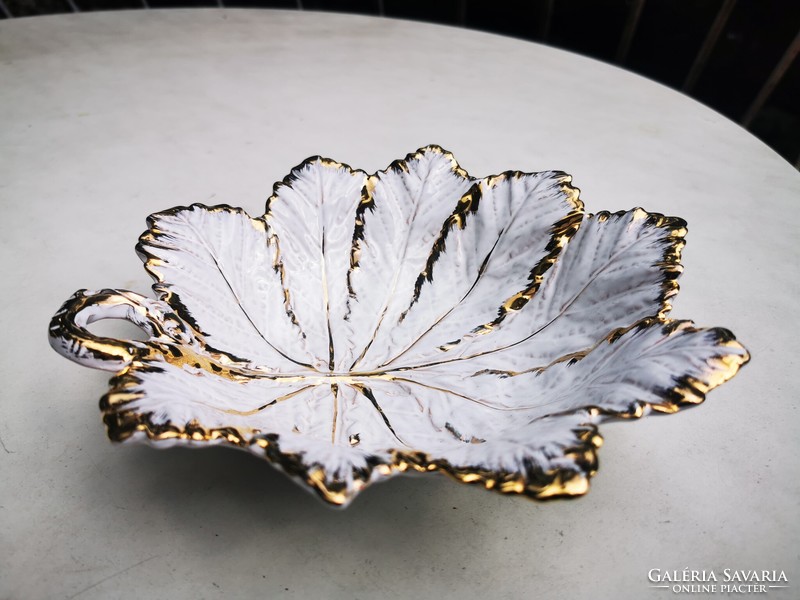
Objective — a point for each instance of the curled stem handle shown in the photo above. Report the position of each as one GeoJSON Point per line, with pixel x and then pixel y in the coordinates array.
{"type": "Point", "coordinates": [70, 338]}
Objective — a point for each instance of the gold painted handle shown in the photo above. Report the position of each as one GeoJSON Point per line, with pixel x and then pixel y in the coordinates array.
{"type": "Point", "coordinates": [70, 338]}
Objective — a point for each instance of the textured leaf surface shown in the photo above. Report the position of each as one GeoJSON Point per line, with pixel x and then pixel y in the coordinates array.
{"type": "Point", "coordinates": [417, 319]}
{"type": "Point", "coordinates": [402, 219]}
{"type": "Point", "coordinates": [312, 218]}
{"type": "Point", "coordinates": [217, 269]}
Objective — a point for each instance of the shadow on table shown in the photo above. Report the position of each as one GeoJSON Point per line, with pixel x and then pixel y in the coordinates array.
{"type": "Point", "coordinates": [201, 493]}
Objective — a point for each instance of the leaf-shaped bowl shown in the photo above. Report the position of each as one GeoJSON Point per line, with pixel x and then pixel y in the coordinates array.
{"type": "Point", "coordinates": [414, 320]}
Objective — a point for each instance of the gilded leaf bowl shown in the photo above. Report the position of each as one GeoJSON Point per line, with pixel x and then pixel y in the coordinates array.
{"type": "Point", "coordinates": [414, 320]}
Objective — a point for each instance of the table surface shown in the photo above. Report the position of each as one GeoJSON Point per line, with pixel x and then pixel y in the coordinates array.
{"type": "Point", "coordinates": [108, 117]}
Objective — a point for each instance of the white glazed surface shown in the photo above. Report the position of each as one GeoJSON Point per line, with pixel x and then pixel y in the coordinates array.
{"type": "Point", "coordinates": [112, 116]}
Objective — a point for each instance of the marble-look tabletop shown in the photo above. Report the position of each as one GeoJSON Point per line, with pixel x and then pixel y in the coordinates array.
{"type": "Point", "coordinates": [108, 117]}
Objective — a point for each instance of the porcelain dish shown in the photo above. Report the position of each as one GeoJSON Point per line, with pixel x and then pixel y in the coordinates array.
{"type": "Point", "coordinates": [414, 320]}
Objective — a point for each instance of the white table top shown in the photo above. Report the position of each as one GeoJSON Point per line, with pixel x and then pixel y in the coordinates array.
{"type": "Point", "coordinates": [108, 117]}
